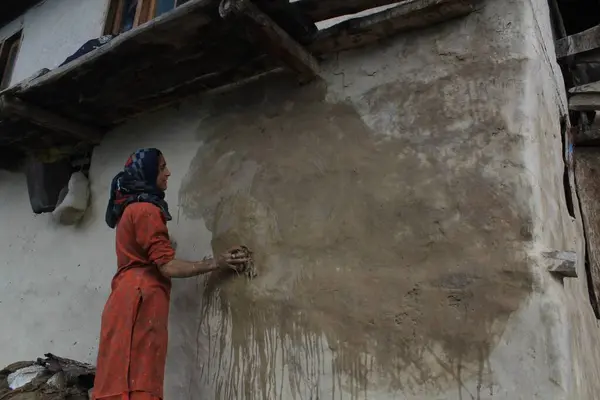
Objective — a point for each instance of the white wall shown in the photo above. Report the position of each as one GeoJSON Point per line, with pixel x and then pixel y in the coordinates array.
{"type": "Point", "coordinates": [52, 31]}
{"type": "Point", "coordinates": [439, 149]}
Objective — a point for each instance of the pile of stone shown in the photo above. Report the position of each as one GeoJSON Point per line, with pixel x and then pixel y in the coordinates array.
{"type": "Point", "coordinates": [49, 378]}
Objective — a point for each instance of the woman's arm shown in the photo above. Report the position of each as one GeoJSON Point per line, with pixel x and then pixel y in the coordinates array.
{"type": "Point", "coordinates": [152, 235]}
{"type": "Point", "coordinates": [186, 269]}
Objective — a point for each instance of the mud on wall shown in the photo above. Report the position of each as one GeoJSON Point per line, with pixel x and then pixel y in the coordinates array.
{"type": "Point", "coordinates": [389, 237]}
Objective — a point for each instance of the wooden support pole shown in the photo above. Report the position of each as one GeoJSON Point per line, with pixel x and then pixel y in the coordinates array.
{"type": "Point", "coordinates": [265, 32]}
{"type": "Point", "coordinates": [411, 14]}
{"type": "Point", "coordinates": [562, 263]}
{"type": "Point", "coordinates": [578, 43]}
{"type": "Point", "coordinates": [11, 106]}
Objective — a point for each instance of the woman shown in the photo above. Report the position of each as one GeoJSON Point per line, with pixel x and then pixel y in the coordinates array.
{"type": "Point", "coordinates": [133, 337]}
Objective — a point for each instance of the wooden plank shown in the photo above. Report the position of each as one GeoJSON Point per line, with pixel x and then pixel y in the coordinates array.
{"type": "Point", "coordinates": [587, 172]}
{"type": "Point", "coordinates": [264, 32]}
{"type": "Point", "coordinates": [585, 102]}
{"type": "Point", "coordinates": [578, 43]}
{"type": "Point", "coordinates": [592, 87]}
{"type": "Point", "coordinates": [320, 10]}
{"type": "Point", "coordinates": [562, 263]}
{"type": "Point", "coordinates": [13, 107]}
{"type": "Point", "coordinates": [412, 14]}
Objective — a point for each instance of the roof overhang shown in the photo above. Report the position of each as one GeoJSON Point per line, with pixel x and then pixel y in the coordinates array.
{"type": "Point", "coordinates": [202, 46]}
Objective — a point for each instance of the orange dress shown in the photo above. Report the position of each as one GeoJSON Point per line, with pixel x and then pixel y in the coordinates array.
{"type": "Point", "coordinates": [133, 337]}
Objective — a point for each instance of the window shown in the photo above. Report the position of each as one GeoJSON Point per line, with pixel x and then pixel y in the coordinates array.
{"type": "Point", "coordinates": [8, 57]}
{"type": "Point", "coordinates": [124, 15]}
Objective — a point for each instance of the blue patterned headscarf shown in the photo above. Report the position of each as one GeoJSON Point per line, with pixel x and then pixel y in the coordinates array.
{"type": "Point", "coordinates": [136, 183]}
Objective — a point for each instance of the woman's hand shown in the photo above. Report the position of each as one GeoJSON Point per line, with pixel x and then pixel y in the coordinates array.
{"type": "Point", "coordinates": [231, 260]}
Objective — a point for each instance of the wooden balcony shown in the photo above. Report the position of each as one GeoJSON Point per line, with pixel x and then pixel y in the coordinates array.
{"type": "Point", "coordinates": [202, 46]}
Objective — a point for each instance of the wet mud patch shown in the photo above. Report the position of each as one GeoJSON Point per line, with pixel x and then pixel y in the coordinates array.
{"type": "Point", "coordinates": [379, 262]}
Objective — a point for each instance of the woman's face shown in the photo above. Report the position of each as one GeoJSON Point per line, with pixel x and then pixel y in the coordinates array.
{"type": "Point", "coordinates": [163, 174]}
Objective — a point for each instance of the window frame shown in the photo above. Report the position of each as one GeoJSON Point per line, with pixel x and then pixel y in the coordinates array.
{"type": "Point", "coordinates": [9, 53]}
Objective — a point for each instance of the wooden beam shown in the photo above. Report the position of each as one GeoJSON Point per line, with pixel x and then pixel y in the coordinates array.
{"type": "Point", "coordinates": [411, 14]}
{"type": "Point", "coordinates": [587, 171]}
{"type": "Point", "coordinates": [263, 31]}
{"type": "Point", "coordinates": [578, 43]}
{"type": "Point", "coordinates": [562, 263]}
{"type": "Point", "coordinates": [585, 102]}
{"type": "Point", "coordinates": [11, 106]}
{"type": "Point", "coordinates": [592, 87]}
{"type": "Point", "coordinates": [585, 97]}
{"type": "Point", "coordinates": [320, 10]}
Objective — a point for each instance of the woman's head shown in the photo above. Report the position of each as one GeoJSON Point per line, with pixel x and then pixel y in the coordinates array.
{"type": "Point", "coordinates": [150, 167]}
{"type": "Point", "coordinates": [144, 179]}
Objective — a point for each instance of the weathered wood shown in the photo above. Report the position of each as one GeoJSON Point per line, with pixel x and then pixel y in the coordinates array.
{"type": "Point", "coordinates": [264, 31]}
{"type": "Point", "coordinates": [320, 10]}
{"type": "Point", "coordinates": [562, 263]}
{"type": "Point", "coordinates": [15, 107]}
{"type": "Point", "coordinates": [587, 172]}
{"type": "Point", "coordinates": [412, 14]}
{"type": "Point", "coordinates": [592, 87]}
{"type": "Point", "coordinates": [585, 102]}
{"type": "Point", "coordinates": [578, 43]}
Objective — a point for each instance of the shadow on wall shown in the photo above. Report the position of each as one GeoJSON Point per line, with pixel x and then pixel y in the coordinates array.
{"type": "Point", "coordinates": [379, 264]}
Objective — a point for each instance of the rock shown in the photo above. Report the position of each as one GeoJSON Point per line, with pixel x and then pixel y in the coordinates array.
{"type": "Point", "coordinates": [49, 378]}
{"type": "Point", "coordinates": [24, 376]}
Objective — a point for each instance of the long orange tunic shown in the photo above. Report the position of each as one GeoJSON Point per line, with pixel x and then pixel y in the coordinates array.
{"type": "Point", "coordinates": [133, 337]}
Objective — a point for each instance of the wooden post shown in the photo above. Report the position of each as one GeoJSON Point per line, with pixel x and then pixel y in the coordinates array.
{"type": "Point", "coordinates": [264, 31]}
{"type": "Point", "coordinates": [12, 106]}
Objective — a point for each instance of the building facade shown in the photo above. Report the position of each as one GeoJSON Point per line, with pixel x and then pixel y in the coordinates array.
{"type": "Point", "coordinates": [401, 207]}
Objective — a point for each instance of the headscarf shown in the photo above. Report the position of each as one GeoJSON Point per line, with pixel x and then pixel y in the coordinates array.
{"type": "Point", "coordinates": [135, 184]}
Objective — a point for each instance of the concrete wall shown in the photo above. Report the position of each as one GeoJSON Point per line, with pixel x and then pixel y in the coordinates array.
{"type": "Point", "coordinates": [397, 209]}
{"type": "Point", "coordinates": [52, 31]}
